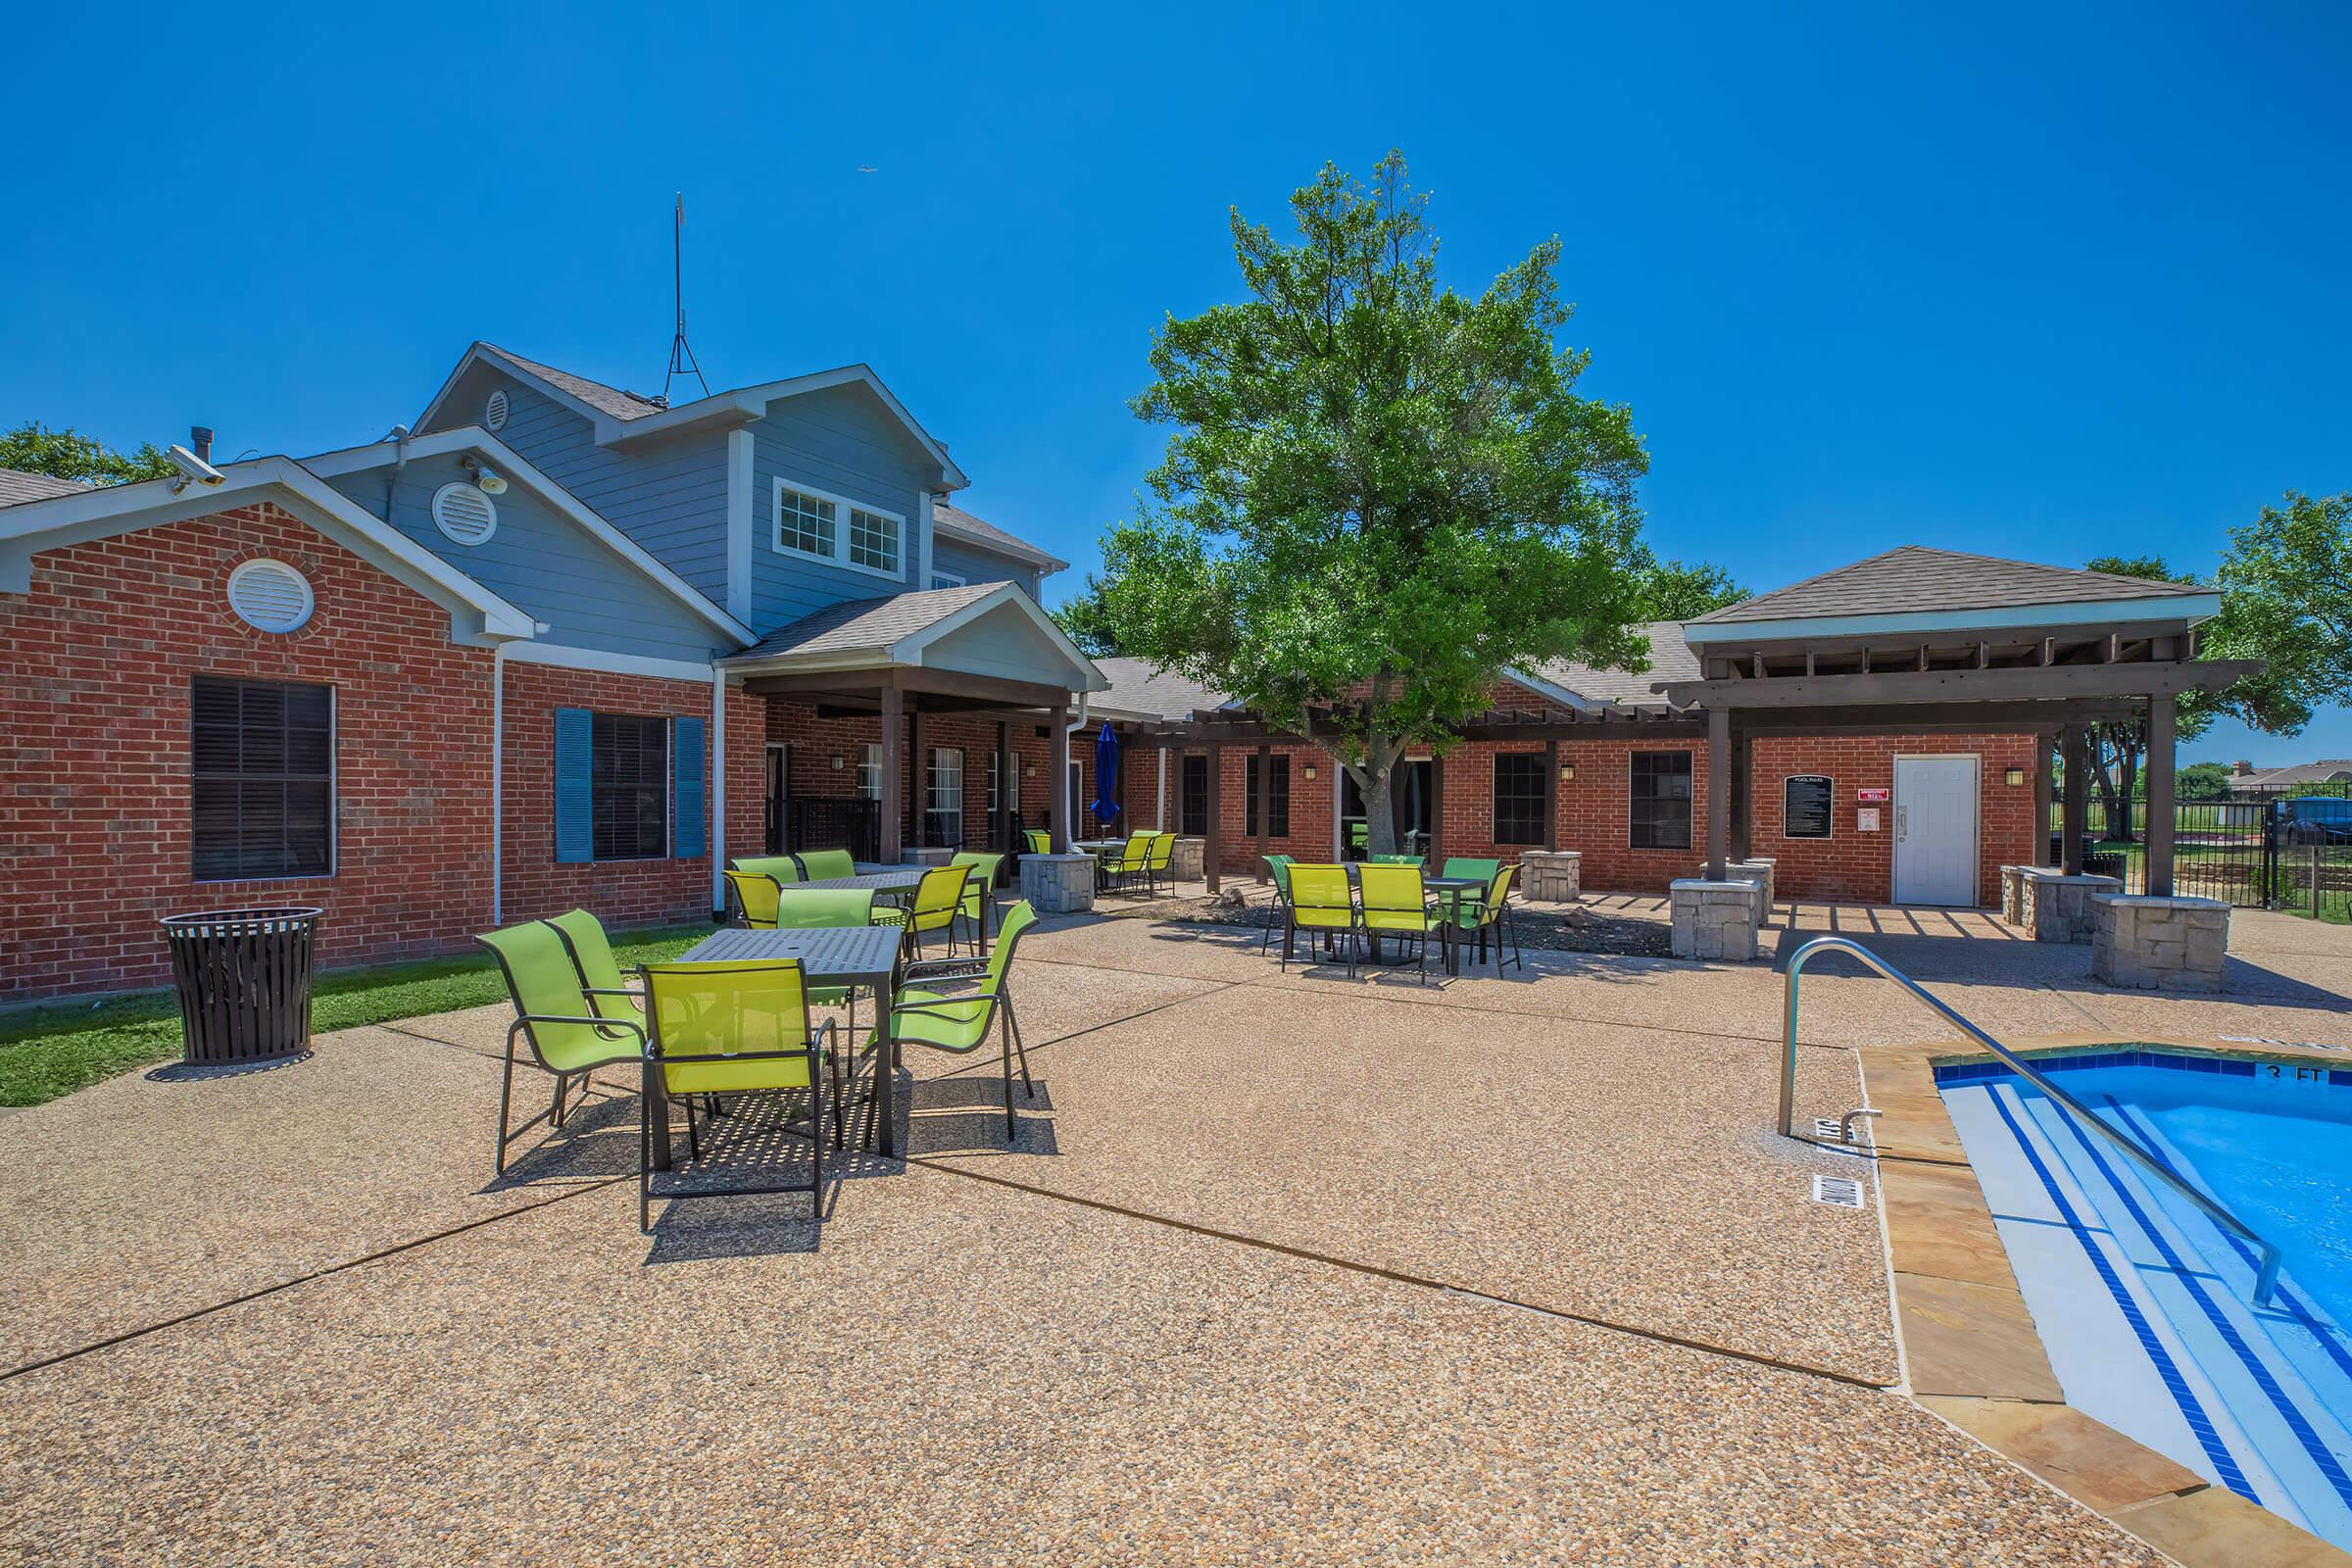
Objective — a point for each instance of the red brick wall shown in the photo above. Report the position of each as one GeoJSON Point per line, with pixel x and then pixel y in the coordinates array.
{"type": "Point", "coordinates": [1856, 865]}
{"type": "Point", "coordinates": [816, 741]}
{"type": "Point", "coordinates": [94, 791]}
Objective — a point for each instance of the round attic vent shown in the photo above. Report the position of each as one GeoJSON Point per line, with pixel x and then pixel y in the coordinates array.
{"type": "Point", "coordinates": [465, 513]}
{"type": "Point", "coordinates": [270, 596]}
{"type": "Point", "coordinates": [494, 415]}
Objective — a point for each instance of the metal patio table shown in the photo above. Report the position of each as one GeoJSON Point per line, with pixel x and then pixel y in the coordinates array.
{"type": "Point", "coordinates": [860, 956]}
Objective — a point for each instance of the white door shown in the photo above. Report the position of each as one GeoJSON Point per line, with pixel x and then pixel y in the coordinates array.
{"type": "Point", "coordinates": [1936, 830]}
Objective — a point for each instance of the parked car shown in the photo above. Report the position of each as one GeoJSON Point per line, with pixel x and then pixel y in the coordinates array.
{"type": "Point", "coordinates": [2315, 819]}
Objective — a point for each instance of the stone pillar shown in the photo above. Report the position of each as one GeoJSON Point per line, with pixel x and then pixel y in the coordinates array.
{"type": "Point", "coordinates": [1186, 857]}
{"type": "Point", "coordinates": [1756, 869]}
{"type": "Point", "coordinates": [1059, 884]}
{"type": "Point", "coordinates": [2160, 943]}
{"type": "Point", "coordinates": [1715, 920]}
{"type": "Point", "coordinates": [1552, 876]}
{"type": "Point", "coordinates": [2052, 906]}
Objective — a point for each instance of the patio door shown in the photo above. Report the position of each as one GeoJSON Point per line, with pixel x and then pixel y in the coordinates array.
{"type": "Point", "coordinates": [1936, 830]}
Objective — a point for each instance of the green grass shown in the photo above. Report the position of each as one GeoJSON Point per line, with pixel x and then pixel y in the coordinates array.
{"type": "Point", "coordinates": [58, 1047]}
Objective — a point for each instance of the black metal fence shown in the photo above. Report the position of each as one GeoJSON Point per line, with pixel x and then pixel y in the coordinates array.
{"type": "Point", "coordinates": [2256, 849]}
{"type": "Point", "coordinates": [822, 823]}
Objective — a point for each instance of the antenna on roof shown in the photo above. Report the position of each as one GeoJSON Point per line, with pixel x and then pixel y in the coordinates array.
{"type": "Point", "coordinates": [681, 357]}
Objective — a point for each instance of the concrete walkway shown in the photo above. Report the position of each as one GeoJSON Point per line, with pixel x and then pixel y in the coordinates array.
{"type": "Point", "coordinates": [1282, 1270]}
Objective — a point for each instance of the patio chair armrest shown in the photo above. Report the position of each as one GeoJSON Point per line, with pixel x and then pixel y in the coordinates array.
{"type": "Point", "coordinates": [630, 1024]}
{"type": "Point", "coordinates": [633, 993]}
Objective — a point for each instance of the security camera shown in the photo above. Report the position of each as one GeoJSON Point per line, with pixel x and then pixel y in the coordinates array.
{"type": "Point", "coordinates": [193, 469]}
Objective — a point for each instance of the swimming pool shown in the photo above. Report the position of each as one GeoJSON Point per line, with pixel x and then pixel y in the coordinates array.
{"type": "Point", "coordinates": [2143, 1301]}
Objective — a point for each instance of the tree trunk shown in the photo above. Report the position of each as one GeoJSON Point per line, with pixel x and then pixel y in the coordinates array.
{"type": "Point", "coordinates": [2105, 777]}
{"type": "Point", "coordinates": [1376, 781]}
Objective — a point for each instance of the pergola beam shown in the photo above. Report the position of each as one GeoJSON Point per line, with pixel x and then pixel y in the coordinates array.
{"type": "Point", "coordinates": [2056, 682]}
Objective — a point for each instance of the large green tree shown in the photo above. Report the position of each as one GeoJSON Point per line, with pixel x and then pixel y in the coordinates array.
{"type": "Point", "coordinates": [1672, 591]}
{"type": "Point", "coordinates": [1087, 618]}
{"type": "Point", "coordinates": [1380, 493]}
{"type": "Point", "coordinates": [68, 453]}
{"type": "Point", "coordinates": [2286, 598]}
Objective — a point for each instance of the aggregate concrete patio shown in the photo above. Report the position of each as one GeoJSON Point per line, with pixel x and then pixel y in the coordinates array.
{"type": "Point", "coordinates": [1284, 1268]}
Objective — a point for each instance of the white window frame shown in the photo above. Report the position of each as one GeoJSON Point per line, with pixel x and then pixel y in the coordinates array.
{"type": "Point", "coordinates": [843, 506]}
{"type": "Point", "coordinates": [936, 815]}
{"type": "Point", "coordinates": [949, 579]}
{"type": "Point", "coordinates": [869, 772]}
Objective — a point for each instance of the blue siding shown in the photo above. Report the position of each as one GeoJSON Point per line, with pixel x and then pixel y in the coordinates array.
{"type": "Point", "coordinates": [844, 442]}
{"type": "Point", "coordinates": [544, 562]}
{"type": "Point", "coordinates": [576, 799]}
{"type": "Point", "coordinates": [974, 565]}
{"type": "Point", "coordinates": [671, 496]}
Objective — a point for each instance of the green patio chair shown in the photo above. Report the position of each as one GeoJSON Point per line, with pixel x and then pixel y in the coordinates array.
{"type": "Point", "coordinates": [752, 900]}
{"type": "Point", "coordinates": [556, 1017]}
{"type": "Point", "coordinates": [1393, 859]}
{"type": "Point", "coordinates": [1279, 866]}
{"type": "Point", "coordinates": [1321, 904]}
{"type": "Point", "coordinates": [926, 1012]}
{"type": "Point", "coordinates": [1040, 841]}
{"type": "Point", "coordinates": [1495, 913]}
{"type": "Point", "coordinates": [783, 868]}
{"type": "Point", "coordinates": [1130, 862]}
{"type": "Point", "coordinates": [1396, 902]}
{"type": "Point", "coordinates": [1483, 868]}
{"type": "Point", "coordinates": [1163, 856]}
{"type": "Point", "coordinates": [734, 1028]}
{"type": "Point", "coordinates": [813, 909]}
{"type": "Point", "coordinates": [978, 894]}
{"type": "Point", "coordinates": [610, 992]}
{"type": "Point", "coordinates": [816, 865]}
{"type": "Point", "coordinates": [1359, 837]}
{"type": "Point", "coordinates": [938, 900]}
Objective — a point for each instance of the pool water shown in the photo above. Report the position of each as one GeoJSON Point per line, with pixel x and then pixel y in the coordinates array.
{"type": "Point", "coordinates": [2143, 1303]}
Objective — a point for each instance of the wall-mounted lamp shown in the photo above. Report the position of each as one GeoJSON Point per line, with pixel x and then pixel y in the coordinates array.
{"type": "Point", "coordinates": [1310, 771]}
{"type": "Point", "coordinates": [2014, 777]}
{"type": "Point", "coordinates": [1567, 771]}
{"type": "Point", "coordinates": [836, 761]}
{"type": "Point", "coordinates": [1028, 770]}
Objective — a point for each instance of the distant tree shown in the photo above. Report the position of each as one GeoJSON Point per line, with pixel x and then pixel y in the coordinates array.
{"type": "Point", "coordinates": [1086, 617]}
{"type": "Point", "coordinates": [1672, 591]}
{"type": "Point", "coordinates": [2200, 781]}
{"type": "Point", "coordinates": [1380, 494]}
{"type": "Point", "coordinates": [2286, 598]}
{"type": "Point", "coordinates": [68, 453]}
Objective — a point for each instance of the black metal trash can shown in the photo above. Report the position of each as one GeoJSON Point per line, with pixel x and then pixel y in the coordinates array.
{"type": "Point", "coordinates": [244, 979]}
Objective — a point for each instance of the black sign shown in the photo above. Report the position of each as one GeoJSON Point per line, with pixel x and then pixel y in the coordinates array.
{"type": "Point", "coordinates": [1805, 812]}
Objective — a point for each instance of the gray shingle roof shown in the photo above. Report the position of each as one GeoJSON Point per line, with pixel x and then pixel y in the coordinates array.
{"type": "Point", "coordinates": [867, 625]}
{"type": "Point", "coordinates": [1137, 687]}
{"type": "Point", "coordinates": [989, 536]}
{"type": "Point", "coordinates": [1670, 658]}
{"type": "Point", "coordinates": [2324, 771]}
{"type": "Point", "coordinates": [1914, 580]}
{"type": "Point", "coordinates": [18, 487]}
{"type": "Point", "coordinates": [603, 399]}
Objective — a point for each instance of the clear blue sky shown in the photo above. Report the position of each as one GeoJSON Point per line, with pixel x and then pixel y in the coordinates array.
{"type": "Point", "coordinates": [2027, 282]}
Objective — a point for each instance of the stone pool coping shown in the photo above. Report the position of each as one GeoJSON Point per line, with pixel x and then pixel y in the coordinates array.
{"type": "Point", "coordinates": [1970, 1349]}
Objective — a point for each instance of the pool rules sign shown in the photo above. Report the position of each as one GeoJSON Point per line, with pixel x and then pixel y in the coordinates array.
{"type": "Point", "coordinates": [1806, 806]}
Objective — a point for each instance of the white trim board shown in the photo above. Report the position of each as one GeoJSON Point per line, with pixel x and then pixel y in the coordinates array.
{"type": "Point", "coordinates": [843, 506]}
{"type": "Point", "coordinates": [562, 656]}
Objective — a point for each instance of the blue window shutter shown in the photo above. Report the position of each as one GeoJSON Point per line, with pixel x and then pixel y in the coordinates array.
{"type": "Point", "coordinates": [686, 840]}
{"type": "Point", "coordinates": [576, 799]}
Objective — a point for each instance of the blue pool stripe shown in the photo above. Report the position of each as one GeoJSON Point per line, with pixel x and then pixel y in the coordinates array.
{"type": "Point", "coordinates": [2331, 1339]}
{"type": "Point", "coordinates": [1964, 1072]}
{"type": "Point", "coordinates": [2192, 1410]}
{"type": "Point", "coordinates": [2296, 1421]}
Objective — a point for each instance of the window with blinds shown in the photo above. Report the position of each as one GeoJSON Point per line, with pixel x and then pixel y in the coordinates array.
{"type": "Point", "coordinates": [629, 786]}
{"type": "Point", "coordinates": [261, 774]}
{"type": "Point", "coordinates": [1658, 812]}
{"type": "Point", "coordinates": [1519, 782]}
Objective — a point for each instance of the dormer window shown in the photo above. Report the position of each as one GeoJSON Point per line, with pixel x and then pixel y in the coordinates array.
{"type": "Point", "coordinates": [838, 531]}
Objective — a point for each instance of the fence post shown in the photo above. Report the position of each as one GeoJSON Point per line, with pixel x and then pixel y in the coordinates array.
{"type": "Point", "coordinates": [2315, 881]}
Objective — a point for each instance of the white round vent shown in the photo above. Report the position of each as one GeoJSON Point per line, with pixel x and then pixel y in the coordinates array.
{"type": "Point", "coordinates": [465, 513]}
{"type": "Point", "coordinates": [494, 415]}
{"type": "Point", "coordinates": [270, 596]}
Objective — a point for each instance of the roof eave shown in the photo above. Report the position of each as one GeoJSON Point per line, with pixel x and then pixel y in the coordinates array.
{"type": "Point", "coordinates": [2185, 608]}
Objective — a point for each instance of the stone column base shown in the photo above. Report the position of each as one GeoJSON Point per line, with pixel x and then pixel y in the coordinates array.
{"type": "Point", "coordinates": [1756, 869]}
{"type": "Point", "coordinates": [2153, 943]}
{"type": "Point", "coordinates": [2052, 906]}
{"type": "Point", "coordinates": [1188, 859]}
{"type": "Point", "coordinates": [1059, 884]}
{"type": "Point", "coordinates": [1716, 919]}
{"type": "Point", "coordinates": [1552, 876]}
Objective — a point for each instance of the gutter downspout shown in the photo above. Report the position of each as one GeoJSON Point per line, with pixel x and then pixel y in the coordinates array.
{"type": "Point", "coordinates": [1069, 808]}
{"type": "Point", "coordinates": [498, 783]}
{"type": "Point", "coordinates": [718, 784]}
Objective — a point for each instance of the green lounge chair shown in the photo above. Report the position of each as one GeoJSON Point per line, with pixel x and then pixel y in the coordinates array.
{"type": "Point", "coordinates": [1494, 913]}
{"type": "Point", "coordinates": [924, 1012]}
{"type": "Point", "coordinates": [752, 900]}
{"type": "Point", "coordinates": [978, 892]}
{"type": "Point", "coordinates": [1163, 856]}
{"type": "Point", "coordinates": [734, 1028]}
{"type": "Point", "coordinates": [610, 992]}
{"type": "Point", "coordinates": [781, 868]}
{"type": "Point", "coordinates": [1320, 903]}
{"type": "Point", "coordinates": [1483, 868]}
{"type": "Point", "coordinates": [1279, 866]}
{"type": "Point", "coordinates": [1396, 902]}
{"type": "Point", "coordinates": [818, 864]}
{"type": "Point", "coordinates": [1040, 841]}
{"type": "Point", "coordinates": [555, 1014]}
{"type": "Point", "coordinates": [1130, 862]}
{"type": "Point", "coordinates": [938, 900]}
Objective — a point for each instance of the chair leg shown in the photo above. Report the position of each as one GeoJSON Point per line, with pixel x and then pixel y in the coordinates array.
{"type": "Point", "coordinates": [506, 1095]}
{"type": "Point", "coordinates": [694, 1142]}
{"type": "Point", "coordinates": [1020, 1048]}
{"type": "Point", "coordinates": [840, 1133]}
{"type": "Point", "coordinates": [1004, 1051]}
{"type": "Point", "coordinates": [1518, 952]}
{"type": "Point", "coordinates": [1290, 936]}
{"type": "Point", "coordinates": [645, 1162]}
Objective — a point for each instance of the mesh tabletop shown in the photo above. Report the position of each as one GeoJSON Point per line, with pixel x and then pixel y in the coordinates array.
{"type": "Point", "coordinates": [832, 955]}
{"type": "Point", "coordinates": [899, 881]}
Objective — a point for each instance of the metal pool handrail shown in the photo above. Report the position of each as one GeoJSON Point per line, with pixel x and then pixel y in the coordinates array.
{"type": "Point", "coordinates": [2265, 1284]}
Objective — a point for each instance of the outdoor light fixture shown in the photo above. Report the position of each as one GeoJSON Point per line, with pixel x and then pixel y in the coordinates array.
{"type": "Point", "coordinates": [1567, 771]}
{"type": "Point", "coordinates": [2014, 777]}
{"type": "Point", "coordinates": [836, 761]}
{"type": "Point", "coordinates": [1310, 771]}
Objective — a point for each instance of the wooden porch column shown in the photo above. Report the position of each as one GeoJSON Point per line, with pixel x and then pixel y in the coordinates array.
{"type": "Point", "coordinates": [1551, 795]}
{"type": "Point", "coordinates": [1718, 793]}
{"type": "Point", "coordinates": [1437, 808]}
{"type": "Point", "coordinates": [1008, 773]}
{"type": "Point", "coordinates": [1265, 804]}
{"type": "Point", "coordinates": [2076, 814]}
{"type": "Point", "coordinates": [919, 772]}
{"type": "Point", "coordinates": [1058, 808]}
{"type": "Point", "coordinates": [1210, 857]}
{"type": "Point", "coordinates": [2162, 736]}
{"type": "Point", "coordinates": [2044, 790]}
{"type": "Point", "coordinates": [894, 723]}
{"type": "Point", "coordinates": [1744, 796]}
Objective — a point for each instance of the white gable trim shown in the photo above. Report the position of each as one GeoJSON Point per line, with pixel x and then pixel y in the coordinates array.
{"type": "Point", "coordinates": [987, 544]}
{"type": "Point", "coordinates": [37, 525]}
{"type": "Point", "coordinates": [510, 462]}
{"type": "Point", "coordinates": [908, 650]}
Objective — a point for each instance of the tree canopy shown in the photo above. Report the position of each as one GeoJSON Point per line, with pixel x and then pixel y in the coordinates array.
{"type": "Point", "coordinates": [1672, 591]}
{"type": "Point", "coordinates": [68, 453]}
{"type": "Point", "coordinates": [2286, 597]}
{"type": "Point", "coordinates": [1380, 493]}
{"type": "Point", "coordinates": [1087, 618]}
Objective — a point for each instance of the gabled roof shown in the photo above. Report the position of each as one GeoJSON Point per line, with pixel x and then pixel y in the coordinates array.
{"type": "Point", "coordinates": [957, 523]}
{"type": "Point", "coordinates": [511, 464]}
{"type": "Point", "coordinates": [1913, 578]}
{"type": "Point", "coordinates": [2324, 772]}
{"type": "Point", "coordinates": [1670, 658]}
{"type": "Point", "coordinates": [17, 486]}
{"type": "Point", "coordinates": [620, 416]}
{"type": "Point", "coordinates": [97, 514]}
{"type": "Point", "coordinates": [1142, 691]}
{"type": "Point", "coordinates": [860, 633]}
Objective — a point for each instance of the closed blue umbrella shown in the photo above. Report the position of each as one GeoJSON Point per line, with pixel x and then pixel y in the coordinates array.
{"type": "Point", "coordinates": [1106, 770]}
